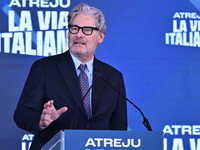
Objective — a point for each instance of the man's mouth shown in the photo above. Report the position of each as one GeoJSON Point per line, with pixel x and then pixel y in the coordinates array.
{"type": "Point", "coordinates": [77, 42]}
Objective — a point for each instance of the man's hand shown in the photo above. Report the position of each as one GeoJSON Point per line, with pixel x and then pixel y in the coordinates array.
{"type": "Point", "coordinates": [50, 114]}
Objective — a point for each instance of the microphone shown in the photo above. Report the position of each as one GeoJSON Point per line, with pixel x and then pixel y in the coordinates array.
{"type": "Point", "coordinates": [74, 119]}
{"type": "Point", "coordinates": [145, 120]}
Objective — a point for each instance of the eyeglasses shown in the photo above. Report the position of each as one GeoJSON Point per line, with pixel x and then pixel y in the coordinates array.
{"type": "Point", "coordinates": [87, 30]}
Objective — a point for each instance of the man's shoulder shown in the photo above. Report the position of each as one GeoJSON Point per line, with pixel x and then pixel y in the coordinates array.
{"type": "Point", "coordinates": [102, 66]}
{"type": "Point", "coordinates": [52, 59]}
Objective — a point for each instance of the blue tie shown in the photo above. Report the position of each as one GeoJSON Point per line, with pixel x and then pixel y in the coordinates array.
{"type": "Point", "coordinates": [84, 84]}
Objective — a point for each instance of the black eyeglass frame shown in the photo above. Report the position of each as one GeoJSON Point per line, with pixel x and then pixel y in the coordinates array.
{"type": "Point", "coordinates": [82, 29]}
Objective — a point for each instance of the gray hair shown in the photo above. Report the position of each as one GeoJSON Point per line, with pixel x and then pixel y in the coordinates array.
{"type": "Point", "coordinates": [88, 10]}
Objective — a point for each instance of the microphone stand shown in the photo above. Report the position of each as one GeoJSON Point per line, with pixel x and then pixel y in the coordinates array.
{"type": "Point", "coordinates": [145, 120]}
{"type": "Point", "coordinates": [74, 119]}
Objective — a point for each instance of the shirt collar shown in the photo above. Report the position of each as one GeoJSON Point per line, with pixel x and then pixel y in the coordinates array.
{"type": "Point", "coordinates": [77, 63]}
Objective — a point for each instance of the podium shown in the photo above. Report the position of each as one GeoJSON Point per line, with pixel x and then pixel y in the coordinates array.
{"type": "Point", "coordinates": [105, 140]}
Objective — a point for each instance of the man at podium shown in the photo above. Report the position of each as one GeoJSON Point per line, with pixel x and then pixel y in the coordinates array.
{"type": "Point", "coordinates": [73, 90]}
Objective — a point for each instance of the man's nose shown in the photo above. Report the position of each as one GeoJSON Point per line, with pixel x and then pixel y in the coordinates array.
{"type": "Point", "coordinates": [80, 33]}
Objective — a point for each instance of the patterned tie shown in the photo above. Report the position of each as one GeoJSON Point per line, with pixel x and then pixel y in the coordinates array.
{"type": "Point", "coordinates": [84, 84]}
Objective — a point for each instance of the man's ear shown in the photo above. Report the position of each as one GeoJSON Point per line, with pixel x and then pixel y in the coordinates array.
{"type": "Point", "coordinates": [101, 37]}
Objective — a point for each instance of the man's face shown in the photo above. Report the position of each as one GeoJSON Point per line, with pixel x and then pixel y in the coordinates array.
{"type": "Point", "coordinates": [83, 46]}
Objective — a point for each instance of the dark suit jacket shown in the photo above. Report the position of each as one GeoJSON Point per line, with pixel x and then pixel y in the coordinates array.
{"type": "Point", "coordinates": [55, 78]}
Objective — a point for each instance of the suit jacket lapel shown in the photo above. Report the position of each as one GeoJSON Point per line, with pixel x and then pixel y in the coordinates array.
{"type": "Point", "coordinates": [67, 69]}
{"type": "Point", "coordinates": [98, 85]}
{"type": "Point", "coordinates": [68, 72]}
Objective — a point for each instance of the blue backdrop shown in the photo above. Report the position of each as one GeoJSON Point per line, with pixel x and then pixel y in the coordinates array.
{"type": "Point", "coordinates": [155, 44]}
